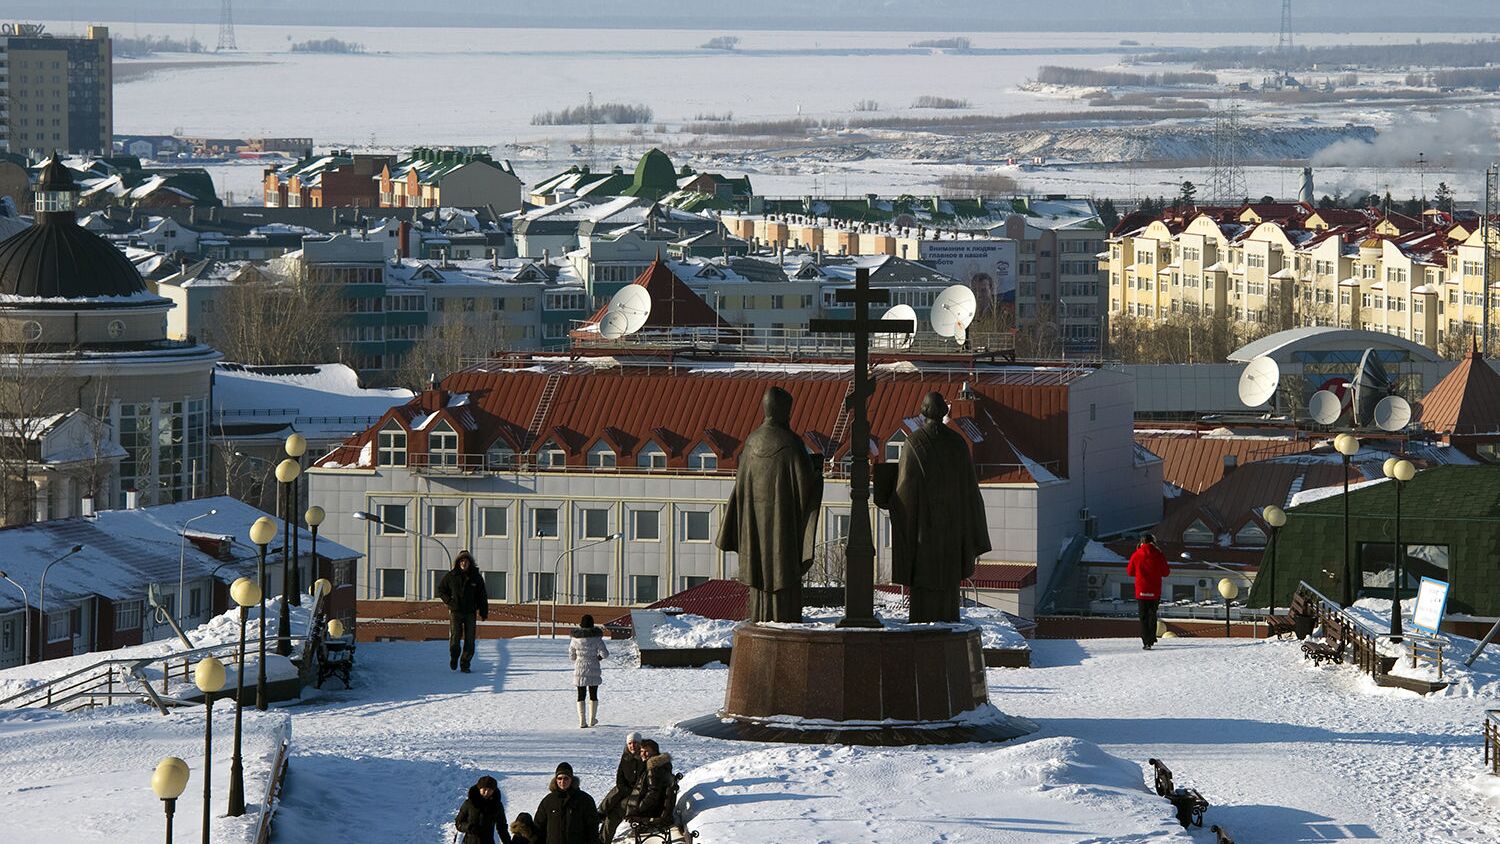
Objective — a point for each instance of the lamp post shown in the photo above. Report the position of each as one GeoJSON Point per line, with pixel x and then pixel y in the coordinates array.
{"type": "Point", "coordinates": [25, 619]}
{"type": "Point", "coordinates": [1228, 590]}
{"type": "Point", "coordinates": [286, 472]}
{"type": "Point", "coordinates": [296, 446]}
{"type": "Point", "coordinates": [1274, 518]}
{"type": "Point", "coordinates": [314, 517]}
{"type": "Point", "coordinates": [566, 551]}
{"type": "Point", "coordinates": [1399, 471]}
{"type": "Point", "coordinates": [1347, 445]}
{"type": "Point", "coordinates": [182, 557]}
{"type": "Point", "coordinates": [245, 592]}
{"type": "Point", "coordinates": [261, 533]}
{"type": "Point", "coordinates": [169, 781]}
{"type": "Point", "coordinates": [41, 598]}
{"type": "Point", "coordinates": [208, 676]}
{"type": "Point", "coordinates": [365, 516]}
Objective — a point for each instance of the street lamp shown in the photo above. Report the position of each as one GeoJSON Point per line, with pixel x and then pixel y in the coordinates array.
{"type": "Point", "coordinates": [25, 619]}
{"type": "Point", "coordinates": [244, 592]}
{"type": "Point", "coordinates": [314, 517]}
{"type": "Point", "coordinates": [41, 599]}
{"type": "Point", "coordinates": [366, 516]}
{"type": "Point", "coordinates": [335, 628]}
{"type": "Point", "coordinates": [1228, 590]}
{"type": "Point", "coordinates": [1274, 517]}
{"type": "Point", "coordinates": [1399, 471]}
{"type": "Point", "coordinates": [261, 533]}
{"type": "Point", "coordinates": [182, 555]}
{"type": "Point", "coordinates": [169, 781]}
{"type": "Point", "coordinates": [1347, 445]}
{"type": "Point", "coordinates": [296, 446]}
{"type": "Point", "coordinates": [566, 551]}
{"type": "Point", "coordinates": [208, 676]}
{"type": "Point", "coordinates": [286, 472]}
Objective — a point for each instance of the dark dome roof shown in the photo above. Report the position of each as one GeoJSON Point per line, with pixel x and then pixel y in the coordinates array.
{"type": "Point", "coordinates": [57, 259]}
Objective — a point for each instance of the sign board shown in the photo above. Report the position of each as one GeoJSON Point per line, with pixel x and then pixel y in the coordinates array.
{"type": "Point", "coordinates": [24, 30]}
{"type": "Point", "coordinates": [1432, 600]}
{"type": "Point", "coordinates": [987, 267]}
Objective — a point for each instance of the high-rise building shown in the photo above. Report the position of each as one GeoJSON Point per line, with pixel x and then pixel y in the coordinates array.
{"type": "Point", "coordinates": [56, 92]}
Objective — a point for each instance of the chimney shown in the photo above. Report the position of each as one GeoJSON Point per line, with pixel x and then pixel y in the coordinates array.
{"type": "Point", "coordinates": [132, 500]}
{"type": "Point", "coordinates": [1305, 190]}
{"type": "Point", "coordinates": [403, 239]}
{"type": "Point", "coordinates": [1231, 462]}
{"type": "Point", "coordinates": [87, 507]}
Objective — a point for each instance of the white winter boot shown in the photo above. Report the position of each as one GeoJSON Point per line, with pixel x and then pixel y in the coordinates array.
{"type": "Point", "coordinates": [582, 719]}
{"type": "Point", "coordinates": [593, 713]}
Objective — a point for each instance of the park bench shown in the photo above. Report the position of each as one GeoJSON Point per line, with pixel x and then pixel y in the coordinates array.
{"type": "Point", "coordinates": [335, 659]}
{"type": "Point", "coordinates": [1335, 640]}
{"type": "Point", "coordinates": [1281, 625]}
{"type": "Point", "coordinates": [1190, 805]}
{"type": "Point", "coordinates": [663, 826]}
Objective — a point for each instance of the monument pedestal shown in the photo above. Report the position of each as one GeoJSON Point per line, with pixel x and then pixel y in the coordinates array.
{"type": "Point", "coordinates": [904, 685]}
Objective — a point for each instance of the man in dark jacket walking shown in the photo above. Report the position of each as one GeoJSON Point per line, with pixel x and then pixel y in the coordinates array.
{"type": "Point", "coordinates": [567, 815]}
{"type": "Point", "coordinates": [483, 814]}
{"type": "Point", "coordinates": [462, 590]}
{"type": "Point", "coordinates": [631, 767]}
{"type": "Point", "coordinates": [1148, 565]}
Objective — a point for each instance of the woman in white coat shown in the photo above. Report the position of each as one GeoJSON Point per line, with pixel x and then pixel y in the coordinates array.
{"type": "Point", "coordinates": [586, 651]}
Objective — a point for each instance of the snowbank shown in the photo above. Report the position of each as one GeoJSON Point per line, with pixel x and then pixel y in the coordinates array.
{"type": "Point", "coordinates": [694, 631]}
{"type": "Point", "coordinates": [1050, 790]}
{"type": "Point", "coordinates": [1481, 680]}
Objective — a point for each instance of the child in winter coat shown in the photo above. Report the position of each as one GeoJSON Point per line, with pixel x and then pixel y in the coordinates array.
{"type": "Point", "coordinates": [523, 831]}
{"type": "Point", "coordinates": [587, 651]}
{"type": "Point", "coordinates": [483, 814]}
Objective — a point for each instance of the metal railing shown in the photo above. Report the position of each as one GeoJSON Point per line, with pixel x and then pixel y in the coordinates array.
{"type": "Point", "coordinates": [1492, 741]}
{"type": "Point", "coordinates": [1365, 644]}
{"type": "Point", "coordinates": [795, 342]}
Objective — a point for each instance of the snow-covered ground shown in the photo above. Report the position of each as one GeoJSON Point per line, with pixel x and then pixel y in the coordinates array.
{"type": "Point", "coordinates": [687, 630]}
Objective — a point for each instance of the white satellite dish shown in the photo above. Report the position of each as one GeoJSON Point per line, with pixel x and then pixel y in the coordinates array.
{"type": "Point", "coordinates": [1392, 413]}
{"type": "Point", "coordinates": [953, 310]}
{"type": "Point", "coordinates": [627, 312]}
{"type": "Point", "coordinates": [1258, 381]}
{"type": "Point", "coordinates": [1325, 407]}
{"type": "Point", "coordinates": [898, 341]}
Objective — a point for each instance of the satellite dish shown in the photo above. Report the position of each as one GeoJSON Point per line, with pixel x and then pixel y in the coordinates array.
{"type": "Point", "coordinates": [898, 341]}
{"type": "Point", "coordinates": [1258, 381]}
{"type": "Point", "coordinates": [953, 309]}
{"type": "Point", "coordinates": [1392, 413]}
{"type": "Point", "coordinates": [1325, 407]}
{"type": "Point", "coordinates": [627, 312]}
{"type": "Point", "coordinates": [1370, 384]}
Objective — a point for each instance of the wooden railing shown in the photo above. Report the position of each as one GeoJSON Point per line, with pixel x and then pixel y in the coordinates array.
{"type": "Point", "coordinates": [273, 791]}
{"type": "Point", "coordinates": [1492, 741]}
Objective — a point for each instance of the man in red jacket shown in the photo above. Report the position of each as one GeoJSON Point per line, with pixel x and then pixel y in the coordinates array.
{"type": "Point", "coordinates": [1148, 565]}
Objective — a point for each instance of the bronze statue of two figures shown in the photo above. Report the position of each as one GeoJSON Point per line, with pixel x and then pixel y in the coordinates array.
{"type": "Point", "coordinates": [937, 516]}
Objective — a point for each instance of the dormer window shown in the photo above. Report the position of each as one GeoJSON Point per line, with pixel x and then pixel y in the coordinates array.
{"type": "Point", "coordinates": [55, 200]}
{"type": "Point", "coordinates": [1198, 533]}
{"type": "Point", "coordinates": [442, 446]}
{"type": "Point", "coordinates": [391, 445]}
{"type": "Point", "coordinates": [500, 456]}
{"type": "Point", "coordinates": [552, 456]}
{"type": "Point", "coordinates": [601, 456]}
{"type": "Point", "coordinates": [893, 447]}
{"type": "Point", "coordinates": [652, 456]}
{"type": "Point", "coordinates": [1250, 534]}
{"type": "Point", "coordinates": [703, 459]}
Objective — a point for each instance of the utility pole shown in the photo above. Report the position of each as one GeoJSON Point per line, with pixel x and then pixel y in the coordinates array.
{"type": "Point", "coordinates": [1487, 228]}
{"type": "Point", "coordinates": [590, 109]}
{"type": "Point", "coordinates": [226, 26]}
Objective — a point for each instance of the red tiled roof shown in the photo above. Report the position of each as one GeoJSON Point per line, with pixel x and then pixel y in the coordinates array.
{"type": "Point", "coordinates": [1002, 576]}
{"type": "Point", "coordinates": [680, 405]}
{"type": "Point", "coordinates": [1467, 401]}
{"type": "Point", "coordinates": [1196, 463]}
{"type": "Point", "coordinates": [673, 304]}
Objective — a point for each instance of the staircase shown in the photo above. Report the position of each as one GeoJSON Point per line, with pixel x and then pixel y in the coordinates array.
{"type": "Point", "coordinates": [841, 424]}
{"type": "Point", "coordinates": [543, 405]}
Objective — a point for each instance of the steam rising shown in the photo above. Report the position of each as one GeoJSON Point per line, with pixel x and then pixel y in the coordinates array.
{"type": "Point", "coordinates": [1452, 138]}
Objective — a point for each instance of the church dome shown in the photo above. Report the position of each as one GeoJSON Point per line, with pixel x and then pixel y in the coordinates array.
{"type": "Point", "coordinates": [58, 259]}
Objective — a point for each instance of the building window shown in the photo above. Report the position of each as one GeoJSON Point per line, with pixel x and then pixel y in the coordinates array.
{"type": "Point", "coordinates": [593, 523]}
{"type": "Point", "coordinates": [690, 580]}
{"type": "Point", "coordinates": [1250, 534]}
{"type": "Point", "coordinates": [393, 518]}
{"type": "Point", "coordinates": [1198, 533]}
{"type": "Point", "coordinates": [695, 526]}
{"type": "Point", "coordinates": [434, 580]}
{"type": "Point", "coordinates": [442, 446]}
{"type": "Point", "coordinates": [494, 585]}
{"type": "Point", "coordinates": [128, 615]}
{"type": "Point", "coordinates": [645, 525]}
{"type": "Point", "coordinates": [392, 583]}
{"type": "Point", "coordinates": [1184, 592]}
{"type": "Point", "coordinates": [8, 636]}
{"type": "Point", "coordinates": [494, 521]}
{"type": "Point", "coordinates": [195, 602]}
{"type": "Point", "coordinates": [543, 586]}
{"type": "Point", "coordinates": [601, 456]}
{"type": "Point", "coordinates": [893, 447]}
{"type": "Point", "coordinates": [544, 523]}
{"type": "Point", "coordinates": [595, 588]}
{"type": "Point", "coordinates": [444, 519]}
{"type": "Point", "coordinates": [1420, 561]}
{"type": "Point", "coordinates": [552, 456]}
{"type": "Point", "coordinates": [59, 625]}
{"type": "Point", "coordinates": [500, 456]}
{"type": "Point", "coordinates": [643, 589]}
{"type": "Point", "coordinates": [703, 459]}
{"type": "Point", "coordinates": [392, 446]}
{"type": "Point", "coordinates": [651, 456]}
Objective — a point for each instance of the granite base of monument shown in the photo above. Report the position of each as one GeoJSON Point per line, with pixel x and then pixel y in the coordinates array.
{"type": "Point", "coordinates": [899, 685]}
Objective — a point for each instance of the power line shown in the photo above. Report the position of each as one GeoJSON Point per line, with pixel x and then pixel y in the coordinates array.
{"type": "Point", "coordinates": [1226, 183]}
{"type": "Point", "coordinates": [226, 26]}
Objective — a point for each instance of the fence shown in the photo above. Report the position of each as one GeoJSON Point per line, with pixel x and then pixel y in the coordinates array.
{"type": "Point", "coordinates": [1492, 740]}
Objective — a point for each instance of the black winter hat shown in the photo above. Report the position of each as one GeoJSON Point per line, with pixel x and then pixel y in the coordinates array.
{"type": "Point", "coordinates": [563, 768]}
{"type": "Point", "coordinates": [487, 781]}
{"type": "Point", "coordinates": [464, 555]}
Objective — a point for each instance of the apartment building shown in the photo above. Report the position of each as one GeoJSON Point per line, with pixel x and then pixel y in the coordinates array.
{"type": "Point", "coordinates": [336, 180]}
{"type": "Point", "coordinates": [56, 92]}
{"type": "Point", "coordinates": [429, 178]}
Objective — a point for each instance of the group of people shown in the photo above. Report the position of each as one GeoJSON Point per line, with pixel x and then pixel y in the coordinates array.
{"type": "Point", "coordinates": [568, 814]}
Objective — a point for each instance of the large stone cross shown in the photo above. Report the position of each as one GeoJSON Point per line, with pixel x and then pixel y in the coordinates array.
{"type": "Point", "coordinates": [859, 547]}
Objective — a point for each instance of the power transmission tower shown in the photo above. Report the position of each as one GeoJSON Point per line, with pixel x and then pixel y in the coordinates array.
{"type": "Point", "coordinates": [590, 115]}
{"type": "Point", "coordinates": [1284, 43]}
{"type": "Point", "coordinates": [226, 26]}
{"type": "Point", "coordinates": [1226, 181]}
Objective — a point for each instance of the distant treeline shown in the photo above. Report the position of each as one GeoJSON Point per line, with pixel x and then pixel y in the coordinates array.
{"type": "Point", "coordinates": [1485, 78]}
{"type": "Point", "coordinates": [127, 46]}
{"type": "Point", "coordinates": [327, 45]}
{"type": "Point", "coordinates": [956, 43]}
{"type": "Point", "coordinates": [603, 113]}
{"type": "Point", "coordinates": [1434, 54]}
{"type": "Point", "coordinates": [1054, 75]}
{"type": "Point", "coordinates": [798, 126]}
{"type": "Point", "coordinates": [930, 101]}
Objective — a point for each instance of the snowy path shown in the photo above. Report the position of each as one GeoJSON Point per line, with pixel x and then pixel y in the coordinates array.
{"type": "Point", "coordinates": [1286, 753]}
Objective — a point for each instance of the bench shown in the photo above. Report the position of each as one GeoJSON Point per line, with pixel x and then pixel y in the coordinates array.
{"type": "Point", "coordinates": [1281, 625]}
{"type": "Point", "coordinates": [662, 827]}
{"type": "Point", "coordinates": [335, 658]}
{"type": "Point", "coordinates": [1190, 805]}
{"type": "Point", "coordinates": [1335, 640]}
